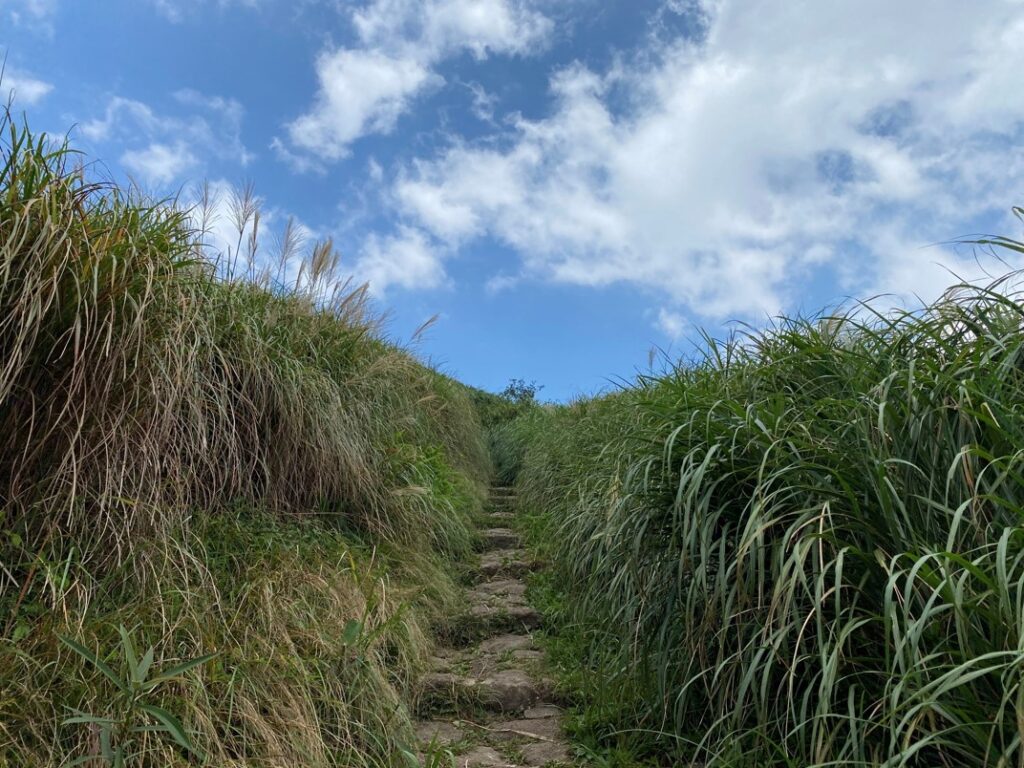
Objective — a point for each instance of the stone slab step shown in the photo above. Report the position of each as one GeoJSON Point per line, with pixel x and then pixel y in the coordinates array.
{"type": "Point", "coordinates": [500, 515]}
{"type": "Point", "coordinates": [506, 562]}
{"type": "Point", "coordinates": [510, 690]}
{"type": "Point", "coordinates": [489, 620]}
{"type": "Point", "coordinates": [536, 729]}
{"type": "Point", "coordinates": [439, 732]}
{"type": "Point", "coordinates": [541, 753]}
{"type": "Point", "coordinates": [484, 757]}
{"type": "Point", "coordinates": [507, 690]}
{"type": "Point", "coordinates": [500, 538]}
{"type": "Point", "coordinates": [509, 643]}
{"type": "Point", "coordinates": [498, 588]}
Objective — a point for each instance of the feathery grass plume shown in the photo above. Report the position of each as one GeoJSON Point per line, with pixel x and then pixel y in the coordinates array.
{"type": "Point", "coordinates": [220, 462]}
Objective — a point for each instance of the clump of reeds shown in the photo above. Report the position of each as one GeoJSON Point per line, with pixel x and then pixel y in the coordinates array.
{"type": "Point", "coordinates": [806, 547]}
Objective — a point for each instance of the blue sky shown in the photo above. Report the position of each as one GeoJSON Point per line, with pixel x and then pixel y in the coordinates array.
{"type": "Point", "coordinates": [566, 184]}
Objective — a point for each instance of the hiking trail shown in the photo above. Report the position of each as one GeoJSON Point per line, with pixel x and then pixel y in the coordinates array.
{"type": "Point", "coordinates": [487, 699]}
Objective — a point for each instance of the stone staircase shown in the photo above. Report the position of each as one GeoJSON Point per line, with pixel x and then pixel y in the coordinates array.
{"type": "Point", "coordinates": [486, 702]}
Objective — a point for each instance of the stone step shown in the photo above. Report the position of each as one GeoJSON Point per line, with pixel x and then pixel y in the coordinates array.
{"type": "Point", "coordinates": [497, 519]}
{"type": "Point", "coordinates": [488, 621]}
{"type": "Point", "coordinates": [506, 562]}
{"type": "Point", "coordinates": [484, 757]}
{"type": "Point", "coordinates": [510, 644]}
{"type": "Point", "coordinates": [497, 607]}
{"type": "Point", "coordinates": [439, 732]}
{"type": "Point", "coordinates": [505, 691]}
{"type": "Point", "coordinates": [513, 589]}
{"type": "Point", "coordinates": [500, 538]}
{"type": "Point", "coordinates": [537, 739]}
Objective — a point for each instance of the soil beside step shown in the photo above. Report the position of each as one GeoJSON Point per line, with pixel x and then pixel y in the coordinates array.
{"type": "Point", "coordinates": [489, 703]}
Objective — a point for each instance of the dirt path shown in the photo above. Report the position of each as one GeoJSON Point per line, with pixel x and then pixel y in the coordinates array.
{"type": "Point", "coordinates": [487, 702]}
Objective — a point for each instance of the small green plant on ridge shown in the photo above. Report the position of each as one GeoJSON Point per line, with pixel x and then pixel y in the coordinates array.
{"type": "Point", "coordinates": [132, 715]}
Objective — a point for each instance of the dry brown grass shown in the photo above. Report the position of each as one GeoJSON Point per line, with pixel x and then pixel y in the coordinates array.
{"type": "Point", "coordinates": [221, 462]}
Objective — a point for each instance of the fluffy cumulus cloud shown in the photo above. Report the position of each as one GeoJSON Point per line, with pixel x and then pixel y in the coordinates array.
{"type": "Point", "coordinates": [159, 163]}
{"type": "Point", "coordinates": [725, 173]}
{"type": "Point", "coordinates": [365, 88]}
{"type": "Point", "coordinates": [404, 260]}
{"type": "Point", "coordinates": [164, 149]}
{"type": "Point", "coordinates": [22, 89]}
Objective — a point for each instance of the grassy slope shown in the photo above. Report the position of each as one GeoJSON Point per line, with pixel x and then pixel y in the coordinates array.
{"type": "Point", "coordinates": [806, 548]}
{"type": "Point", "coordinates": [235, 468]}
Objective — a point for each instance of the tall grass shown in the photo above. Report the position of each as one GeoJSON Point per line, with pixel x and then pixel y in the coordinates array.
{"type": "Point", "coordinates": [225, 460]}
{"type": "Point", "coordinates": [806, 546]}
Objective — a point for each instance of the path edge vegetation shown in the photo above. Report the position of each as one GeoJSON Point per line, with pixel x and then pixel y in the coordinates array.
{"type": "Point", "coordinates": [234, 512]}
{"type": "Point", "coordinates": [802, 547]}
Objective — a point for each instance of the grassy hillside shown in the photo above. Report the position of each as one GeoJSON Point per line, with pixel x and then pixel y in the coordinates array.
{"type": "Point", "coordinates": [231, 509]}
{"type": "Point", "coordinates": [805, 547]}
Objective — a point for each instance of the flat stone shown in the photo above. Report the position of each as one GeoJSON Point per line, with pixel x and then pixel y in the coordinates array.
{"type": "Point", "coordinates": [438, 732]}
{"type": "Point", "coordinates": [538, 729]}
{"type": "Point", "coordinates": [500, 588]}
{"type": "Point", "coordinates": [509, 562]}
{"type": "Point", "coordinates": [527, 655]}
{"type": "Point", "coordinates": [509, 690]}
{"type": "Point", "coordinates": [446, 691]}
{"type": "Point", "coordinates": [541, 753]}
{"type": "Point", "coordinates": [541, 711]}
{"type": "Point", "coordinates": [505, 643]}
{"type": "Point", "coordinates": [490, 617]}
{"type": "Point", "coordinates": [501, 538]}
{"type": "Point", "coordinates": [482, 757]}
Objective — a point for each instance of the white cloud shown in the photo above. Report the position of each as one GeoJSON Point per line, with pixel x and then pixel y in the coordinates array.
{"type": "Point", "coordinates": [158, 163]}
{"type": "Point", "coordinates": [366, 88]}
{"type": "Point", "coordinates": [406, 260]}
{"type": "Point", "coordinates": [500, 282]}
{"type": "Point", "coordinates": [34, 15]}
{"type": "Point", "coordinates": [160, 148]}
{"type": "Point", "coordinates": [671, 323]}
{"type": "Point", "coordinates": [23, 89]}
{"type": "Point", "coordinates": [726, 173]}
{"type": "Point", "coordinates": [360, 92]}
{"type": "Point", "coordinates": [483, 102]}
{"type": "Point", "coordinates": [432, 29]}
{"type": "Point", "coordinates": [177, 10]}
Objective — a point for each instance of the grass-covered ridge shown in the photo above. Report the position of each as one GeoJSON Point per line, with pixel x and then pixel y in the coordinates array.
{"type": "Point", "coordinates": [805, 547]}
{"type": "Point", "coordinates": [239, 467]}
